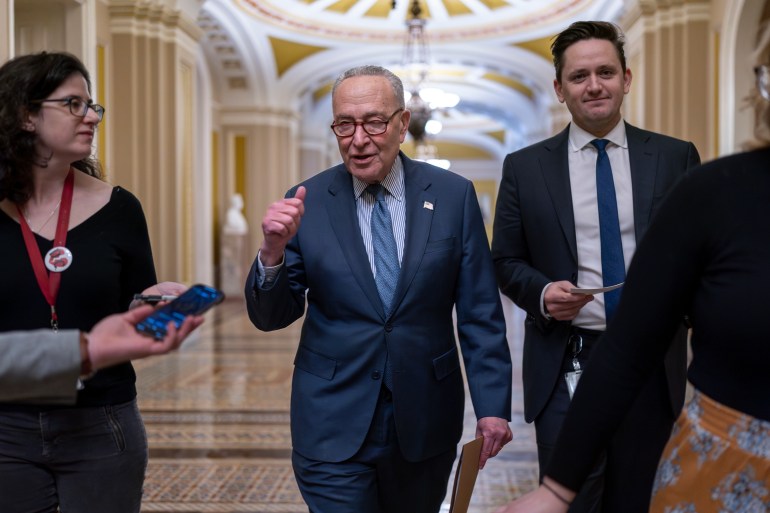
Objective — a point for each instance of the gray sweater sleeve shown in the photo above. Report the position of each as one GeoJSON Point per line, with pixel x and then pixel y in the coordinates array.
{"type": "Point", "coordinates": [39, 366]}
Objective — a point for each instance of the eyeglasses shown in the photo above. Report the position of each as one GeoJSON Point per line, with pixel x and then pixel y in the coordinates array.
{"type": "Point", "coordinates": [371, 127]}
{"type": "Point", "coordinates": [78, 106]}
{"type": "Point", "coordinates": [763, 80]}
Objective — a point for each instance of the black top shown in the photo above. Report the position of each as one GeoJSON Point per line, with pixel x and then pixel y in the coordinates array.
{"type": "Point", "coordinates": [707, 255]}
{"type": "Point", "coordinates": [111, 260]}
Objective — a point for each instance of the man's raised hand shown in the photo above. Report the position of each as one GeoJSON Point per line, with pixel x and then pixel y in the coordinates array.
{"type": "Point", "coordinates": [279, 225]}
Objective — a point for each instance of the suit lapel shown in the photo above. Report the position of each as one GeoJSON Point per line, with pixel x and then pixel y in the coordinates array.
{"type": "Point", "coordinates": [642, 156]}
{"type": "Point", "coordinates": [341, 206]}
{"type": "Point", "coordinates": [554, 168]}
{"type": "Point", "coordinates": [418, 222]}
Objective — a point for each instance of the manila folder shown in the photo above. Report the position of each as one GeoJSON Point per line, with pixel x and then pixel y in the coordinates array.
{"type": "Point", "coordinates": [465, 476]}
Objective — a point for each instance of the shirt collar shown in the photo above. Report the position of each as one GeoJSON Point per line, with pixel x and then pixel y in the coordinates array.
{"type": "Point", "coordinates": [579, 138]}
{"type": "Point", "coordinates": [393, 181]}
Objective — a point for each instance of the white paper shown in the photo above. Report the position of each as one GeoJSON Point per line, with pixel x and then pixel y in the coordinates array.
{"type": "Point", "coordinates": [596, 291]}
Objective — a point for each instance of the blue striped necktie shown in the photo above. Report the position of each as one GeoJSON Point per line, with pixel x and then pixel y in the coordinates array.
{"type": "Point", "coordinates": [385, 252]}
{"type": "Point", "coordinates": [613, 265]}
{"type": "Point", "coordinates": [385, 260]}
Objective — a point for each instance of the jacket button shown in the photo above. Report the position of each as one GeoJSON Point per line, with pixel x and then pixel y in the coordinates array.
{"type": "Point", "coordinates": [388, 327]}
{"type": "Point", "coordinates": [376, 375]}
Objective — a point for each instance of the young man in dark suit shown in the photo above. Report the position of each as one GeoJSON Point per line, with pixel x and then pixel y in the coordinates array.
{"type": "Point", "coordinates": [387, 249]}
{"type": "Point", "coordinates": [570, 212]}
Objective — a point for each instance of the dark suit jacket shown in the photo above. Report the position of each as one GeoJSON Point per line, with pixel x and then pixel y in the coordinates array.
{"type": "Point", "coordinates": [534, 243]}
{"type": "Point", "coordinates": [346, 336]}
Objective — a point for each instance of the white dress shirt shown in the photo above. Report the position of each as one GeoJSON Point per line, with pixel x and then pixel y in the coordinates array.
{"type": "Point", "coordinates": [582, 174]}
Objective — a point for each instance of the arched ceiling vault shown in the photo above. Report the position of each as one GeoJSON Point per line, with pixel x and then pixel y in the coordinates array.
{"type": "Point", "coordinates": [494, 53]}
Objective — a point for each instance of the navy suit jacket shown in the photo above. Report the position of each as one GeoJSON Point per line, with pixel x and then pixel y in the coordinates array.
{"type": "Point", "coordinates": [534, 243]}
{"type": "Point", "coordinates": [346, 335]}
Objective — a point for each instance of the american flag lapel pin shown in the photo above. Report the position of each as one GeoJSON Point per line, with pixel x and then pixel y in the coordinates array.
{"type": "Point", "coordinates": [428, 205]}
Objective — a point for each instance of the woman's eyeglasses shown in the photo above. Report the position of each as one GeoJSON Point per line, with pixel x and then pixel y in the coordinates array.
{"type": "Point", "coordinates": [77, 105]}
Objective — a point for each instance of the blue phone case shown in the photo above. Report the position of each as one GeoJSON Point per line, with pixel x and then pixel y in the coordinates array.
{"type": "Point", "coordinates": [194, 301]}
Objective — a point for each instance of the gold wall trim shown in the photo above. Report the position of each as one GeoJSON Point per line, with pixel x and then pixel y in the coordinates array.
{"type": "Point", "coordinates": [495, 4]}
{"type": "Point", "coordinates": [239, 160]}
{"type": "Point", "coordinates": [498, 135]}
{"type": "Point", "coordinates": [342, 6]}
{"type": "Point", "coordinates": [451, 150]}
{"type": "Point", "coordinates": [456, 8]}
{"type": "Point", "coordinates": [101, 86]}
{"type": "Point", "coordinates": [187, 86]}
{"type": "Point", "coordinates": [541, 47]}
{"type": "Point", "coordinates": [322, 91]}
{"type": "Point", "coordinates": [716, 146]}
{"type": "Point", "coordinates": [288, 53]}
{"type": "Point", "coordinates": [486, 192]}
{"type": "Point", "coordinates": [215, 206]}
{"type": "Point", "coordinates": [381, 9]}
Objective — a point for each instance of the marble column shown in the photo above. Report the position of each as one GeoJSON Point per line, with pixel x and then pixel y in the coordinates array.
{"type": "Point", "coordinates": [669, 50]}
{"type": "Point", "coordinates": [152, 144]}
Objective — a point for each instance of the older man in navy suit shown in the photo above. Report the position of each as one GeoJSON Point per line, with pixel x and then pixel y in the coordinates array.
{"type": "Point", "coordinates": [570, 212]}
{"type": "Point", "coordinates": [387, 250]}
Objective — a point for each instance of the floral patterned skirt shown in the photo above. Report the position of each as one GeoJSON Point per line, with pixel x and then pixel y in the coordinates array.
{"type": "Point", "coordinates": [717, 461]}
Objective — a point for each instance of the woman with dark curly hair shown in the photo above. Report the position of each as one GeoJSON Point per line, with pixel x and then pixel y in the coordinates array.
{"type": "Point", "coordinates": [75, 249]}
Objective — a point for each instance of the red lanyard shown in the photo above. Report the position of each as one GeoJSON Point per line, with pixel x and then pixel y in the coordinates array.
{"type": "Point", "coordinates": [49, 283]}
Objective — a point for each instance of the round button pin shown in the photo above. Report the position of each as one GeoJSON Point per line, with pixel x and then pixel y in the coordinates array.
{"type": "Point", "coordinates": [58, 259]}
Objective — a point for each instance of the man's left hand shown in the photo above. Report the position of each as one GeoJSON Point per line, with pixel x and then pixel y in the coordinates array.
{"type": "Point", "coordinates": [496, 434]}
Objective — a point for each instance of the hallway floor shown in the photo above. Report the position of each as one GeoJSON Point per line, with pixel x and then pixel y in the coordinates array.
{"type": "Point", "coordinates": [217, 418]}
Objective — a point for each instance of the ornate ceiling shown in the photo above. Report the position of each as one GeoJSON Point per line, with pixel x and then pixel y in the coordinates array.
{"type": "Point", "coordinates": [383, 20]}
{"type": "Point", "coordinates": [493, 53]}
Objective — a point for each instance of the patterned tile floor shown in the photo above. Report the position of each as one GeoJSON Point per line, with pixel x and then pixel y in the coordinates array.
{"type": "Point", "coordinates": [217, 416]}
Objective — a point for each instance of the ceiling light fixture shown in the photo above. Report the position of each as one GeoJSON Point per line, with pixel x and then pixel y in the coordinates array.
{"type": "Point", "coordinates": [422, 101]}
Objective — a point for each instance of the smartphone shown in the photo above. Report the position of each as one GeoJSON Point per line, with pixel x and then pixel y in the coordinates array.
{"type": "Point", "coordinates": [194, 301]}
{"type": "Point", "coordinates": [153, 299]}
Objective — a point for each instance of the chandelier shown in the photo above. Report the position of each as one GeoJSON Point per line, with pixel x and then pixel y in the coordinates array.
{"type": "Point", "coordinates": [422, 101]}
{"type": "Point", "coordinates": [416, 58]}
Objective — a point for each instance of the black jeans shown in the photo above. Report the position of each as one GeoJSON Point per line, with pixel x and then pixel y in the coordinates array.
{"type": "Point", "coordinates": [82, 460]}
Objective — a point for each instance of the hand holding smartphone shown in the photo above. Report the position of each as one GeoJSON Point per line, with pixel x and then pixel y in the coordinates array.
{"type": "Point", "coordinates": [194, 301]}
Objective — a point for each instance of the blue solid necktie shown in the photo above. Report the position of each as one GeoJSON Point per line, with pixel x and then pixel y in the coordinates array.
{"type": "Point", "coordinates": [385, 260]}
{"type": "Point", "coordinates": [613, 264]}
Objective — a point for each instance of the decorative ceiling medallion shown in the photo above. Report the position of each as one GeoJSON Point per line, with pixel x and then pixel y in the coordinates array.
{"type": "Point", "coordinates": [358, 21]}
